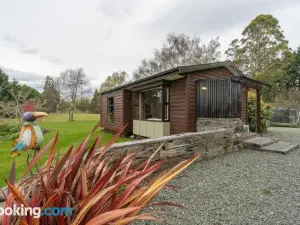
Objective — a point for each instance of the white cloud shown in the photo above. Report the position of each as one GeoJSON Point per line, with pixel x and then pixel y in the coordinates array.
{"type": "Point", "coordinates": [46, 37]}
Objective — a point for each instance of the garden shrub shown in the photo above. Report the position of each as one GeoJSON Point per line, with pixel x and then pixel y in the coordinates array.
{"type": "Point", "coordinates": [8, 131]}
{"type": "Point", "coordinates": [98, 190]}
{"type": "Point", "coordinates": [11, 132]}
{"type": "Point", "coordinates": [265, 117]}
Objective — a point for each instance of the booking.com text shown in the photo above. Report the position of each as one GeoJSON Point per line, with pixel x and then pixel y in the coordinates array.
{"type": "Point", "coordinates": [35, 212]}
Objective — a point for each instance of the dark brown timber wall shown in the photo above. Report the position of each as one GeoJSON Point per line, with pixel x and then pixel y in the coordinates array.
{"type": "Point", "coordinates": [177, 107]}
{"type": "Point", "coordinates": [244, 100]}
{"type": "Point", "coordinates": [128, 110]}
{"type": "Point", "coordinates": [122, 111]}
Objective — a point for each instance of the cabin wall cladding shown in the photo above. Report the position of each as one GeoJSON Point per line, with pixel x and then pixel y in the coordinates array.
{"type": "Point", "coordinates": [178, 147]}
{"type": "Point", "coordinates": [235, 124]}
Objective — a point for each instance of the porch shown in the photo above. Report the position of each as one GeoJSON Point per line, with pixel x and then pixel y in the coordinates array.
{"type": "Point", "coordinates": [224, 103]}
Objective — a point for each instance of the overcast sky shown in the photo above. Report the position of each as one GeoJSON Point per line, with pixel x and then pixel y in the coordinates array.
{"type": "Point", "coordinates": [44, 37]}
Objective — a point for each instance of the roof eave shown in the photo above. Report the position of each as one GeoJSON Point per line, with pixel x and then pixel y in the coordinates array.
{"type": "Point", "coordinates": [246, 77]}
{"type": "Point", "coordinates": [134, 83]}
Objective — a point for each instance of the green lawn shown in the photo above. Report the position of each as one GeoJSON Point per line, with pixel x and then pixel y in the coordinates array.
{"type": "Point", "coordinates": [69, 133]}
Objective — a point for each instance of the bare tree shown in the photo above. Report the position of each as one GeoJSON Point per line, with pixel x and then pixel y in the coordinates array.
{"type": "Point", "coordinates": [116, 79]}
{"type": "Point", "coordinates": [71, 83]}
{"type": "Point", "coordinates": [179, 50]}
{"type": "Point", "coordinates": [7, 109]}
{"type": "Point", "coordinates": [19, 96]}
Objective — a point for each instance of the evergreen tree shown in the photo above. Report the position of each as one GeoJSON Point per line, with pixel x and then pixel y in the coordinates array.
{"type": "Point", "coordinates": [4, 83]}
{"type": "Point", "coordinates": [51, 95]}
{"type": "Point", "coordinates": [261, 48]}
{"type": "Point", "coordinates": [95, 103]}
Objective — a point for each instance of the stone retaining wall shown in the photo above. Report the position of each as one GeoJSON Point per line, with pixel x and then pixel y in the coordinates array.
{"type": "Point", "coordinates": [177, 147]}
{"type": "Point", "coordinates": [216, 123]}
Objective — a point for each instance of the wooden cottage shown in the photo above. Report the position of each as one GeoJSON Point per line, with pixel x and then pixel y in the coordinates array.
{"type": "Point", "coordinates": [170, 102]}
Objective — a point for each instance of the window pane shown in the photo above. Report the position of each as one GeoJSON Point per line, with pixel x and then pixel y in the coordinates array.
{"type": "Point", "coordinates": [111, 118]}
{"type": "Point", "coordinates": [166, 112]}
{"type": "Point", "coordinates": [152, 104]}
{"type": "Point", "coordinates": [136, 99]}
{"type": "Point", "coordinates": [166, 94]}
{"type": "Point", "coordinates": [110, 101]}
{"type": "Point", "coordinates": [110, 110]}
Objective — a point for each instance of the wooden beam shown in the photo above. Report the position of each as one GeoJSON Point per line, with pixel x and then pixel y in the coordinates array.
{"type": "Point", "coordinates": [247, 92]}
{"type": "Point", "coordinates": [163, 104]}
{"type": "Point", "coordinates": [148, 86]}
{"type": "Point", "coordinates": [186, 106]}
{"type": "Point", "coordinates": [133, 105]}
{"type": "Point", "coordinates": [258, 111]}
{"type": "Point", "coordinates": [255, 87]}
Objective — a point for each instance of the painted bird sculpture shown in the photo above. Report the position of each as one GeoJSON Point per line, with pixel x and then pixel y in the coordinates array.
{"type": "Point", "coordinates": [31, 135]}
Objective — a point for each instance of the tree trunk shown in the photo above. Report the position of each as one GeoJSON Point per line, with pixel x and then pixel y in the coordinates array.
{"type": "Point", "coordinates": [18, 116]}
{"type": "Point", "coordinates": [71, 111]}
{"type": "Point", "coordinates": [71, 114]}
{"type": "Point", "coordinates": [57, 107]}
{"type": "Point", "coordinates": [298, 118]}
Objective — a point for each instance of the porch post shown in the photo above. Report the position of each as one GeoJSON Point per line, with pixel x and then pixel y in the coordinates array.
{"type": "Point", "coordinates": [258, 111]}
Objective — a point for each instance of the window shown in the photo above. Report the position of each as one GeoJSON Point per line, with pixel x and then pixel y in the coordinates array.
{"type": "Point", "coordinates": [218, 98]}
{"type": "Point", "coordinates": [155, 104]}
{"type": "Point", "coordinates": [110, 110]}
{"type": "Point", "coordinates": [166, 103]}
{"type": "Point", "coordinates": [136, 100]}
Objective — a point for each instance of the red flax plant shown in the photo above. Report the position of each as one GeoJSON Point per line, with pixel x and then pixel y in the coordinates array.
{"type": "Point", "coordinates": [98, 191]}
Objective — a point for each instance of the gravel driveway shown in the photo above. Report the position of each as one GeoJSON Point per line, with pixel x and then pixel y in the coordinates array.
{"type": "Point", "coordinates": [247, 187]}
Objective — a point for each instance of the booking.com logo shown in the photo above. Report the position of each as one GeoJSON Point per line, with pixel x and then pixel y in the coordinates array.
{"type": "Point", "coordinates": [35, 212]}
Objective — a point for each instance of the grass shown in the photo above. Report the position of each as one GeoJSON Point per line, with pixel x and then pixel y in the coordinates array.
{"type": "Point", "coordinates": [267, 192]}
{"type": "Point", "coordinates": [69, 133]}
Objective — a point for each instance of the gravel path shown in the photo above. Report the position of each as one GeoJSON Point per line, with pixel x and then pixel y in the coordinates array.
{"type": "Point", "coordinates": [247, 187]}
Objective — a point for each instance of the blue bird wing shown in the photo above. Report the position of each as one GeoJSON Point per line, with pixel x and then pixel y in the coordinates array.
{"type": "Point", "coordinates": [23, 143]}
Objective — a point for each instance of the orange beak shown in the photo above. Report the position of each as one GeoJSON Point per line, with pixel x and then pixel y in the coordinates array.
{"type": "Point", "coordinates": [38, 115]}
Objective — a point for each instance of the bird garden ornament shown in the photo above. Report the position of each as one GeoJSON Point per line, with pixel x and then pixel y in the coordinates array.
{"type": "Point", "coordinates": [31, 135]}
